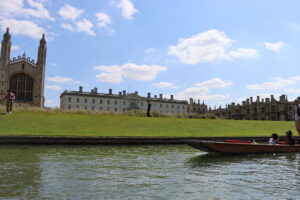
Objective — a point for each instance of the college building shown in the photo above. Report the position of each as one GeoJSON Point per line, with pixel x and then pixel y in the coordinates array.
{"type": "Point", "coordinates": [22, 75]}
{"type": "Point", "coordinates": [120, 102]}
{"type": "Point", "coordinates": [260, 109]}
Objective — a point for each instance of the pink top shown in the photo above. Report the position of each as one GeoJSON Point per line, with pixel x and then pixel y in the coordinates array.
{"type": "Point", "coordinates": [10, 96]}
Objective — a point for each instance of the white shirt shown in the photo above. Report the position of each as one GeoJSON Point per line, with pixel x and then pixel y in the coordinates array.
{"type": "Point", "coordinates": [297, 117]}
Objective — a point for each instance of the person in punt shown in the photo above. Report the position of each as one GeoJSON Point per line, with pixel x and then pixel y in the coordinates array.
{"type": "Point", "coordinates": [289, 138]}
{"type": "Point", "coordinates": [274, 139]}
{"type": "Point", "coordinates": [296, 110]}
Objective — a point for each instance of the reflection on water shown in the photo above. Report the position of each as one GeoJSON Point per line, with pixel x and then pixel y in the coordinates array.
{"type": "Point", "coordinates": [144, 172]}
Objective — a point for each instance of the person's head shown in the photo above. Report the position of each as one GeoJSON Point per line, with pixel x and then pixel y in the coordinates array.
{"type": "Point", "coordinates": [274, 136]}
{"type": "Point", "coordinates": [8, 91]}
{"type": "Point", "coordinates": [289, 133]}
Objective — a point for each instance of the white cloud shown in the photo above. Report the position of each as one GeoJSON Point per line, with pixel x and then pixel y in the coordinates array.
{"type": "Point", "coordinates": [103, 19]}
{"type": "Point", "coordinates": [14, 47]}
{"type": "Point", "coordinates": [85, 26]}
{"type": "Point", "coordinates": [127, 9]}
{"type": "Point", "coordinates": [61, 79]}
{"type": "Point", "coordinates": [275, 84]}
{"type": "Point", "coordinates": [53, 87]}
{"type": "Point", "coordinates": [164, 85]}
{"type": "Point", "coordinates": [200, 90]}
{"type": "Point", "coordinates": [23, 20]}
{"type": "Point", "coordinates": [69, 12]}
{"type": "Point", "coordinates": [274, 46]}
{"type": "Point", "coordinates": [10, 9]}
{"type": "Point", "coordinates": [149, 50]}
{"type": "Point", "coordinates": [67, 26]}
{"type": "Point", "coordinates": [116, 73]}
{"type": "Point", "coordinates": [293, 91]}
{"type": "Point", "coordinates": [209, 46]}
{"type": "Point", "coordinates": [54, 64]}
{"type": "Point", "coordinates": [80, 26]}
{"type": "Point", "coordinates": [23, 27]}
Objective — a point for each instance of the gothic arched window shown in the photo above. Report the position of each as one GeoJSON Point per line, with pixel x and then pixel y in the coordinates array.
{"type": "Point", "coordinates": [22, 86]}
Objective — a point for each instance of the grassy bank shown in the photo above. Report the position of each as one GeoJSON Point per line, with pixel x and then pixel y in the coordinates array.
{"type": "Point", "coordinates": [55, 123]}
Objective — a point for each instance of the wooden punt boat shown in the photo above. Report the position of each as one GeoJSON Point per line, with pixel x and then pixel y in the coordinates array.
{"type": "Point", "coordinates": [242, 147]}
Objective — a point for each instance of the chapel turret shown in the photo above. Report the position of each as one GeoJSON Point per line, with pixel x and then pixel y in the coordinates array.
{"type": "Point", "coordinates": [5, 48]}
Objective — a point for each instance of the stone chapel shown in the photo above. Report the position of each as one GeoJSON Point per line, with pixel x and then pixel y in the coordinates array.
{"type": "Point", "coordinates": [22, 75]}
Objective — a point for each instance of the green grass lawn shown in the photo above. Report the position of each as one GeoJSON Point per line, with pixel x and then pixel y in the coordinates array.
{"type": "Point", "coordinates": [68, 124]}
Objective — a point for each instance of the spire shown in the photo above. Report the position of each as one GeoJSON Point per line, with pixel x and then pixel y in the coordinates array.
{"type": "Point", "coordinates": [42, 51]}
{"type": "Point", "coordinates": [5, 47]}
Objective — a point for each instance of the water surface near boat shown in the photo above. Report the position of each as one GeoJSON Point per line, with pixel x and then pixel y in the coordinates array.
{"type": "Point", "coordinates": [144, 172]}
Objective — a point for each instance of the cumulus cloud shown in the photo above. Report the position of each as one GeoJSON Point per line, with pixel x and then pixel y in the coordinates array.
{"type": "Point", "coordinates": [23, 27]}
{"type": "Point", "coordinates": [149, 50]}
{"type": "Point", "coordinates": [69, 12]}
{"type": "Point", "coordinates": [163, 84]}
{"type": "Point", "coordinates": [209, 46]}
{"type": "Point", "coordinates": [274, 84]}
{"type": "Point", "coordinates": [293, 91]}
{"type": "Point", "coordinates": [127, 9]}
{"type": "Point", "coordinates": [61, 79]}
{"type": "Point", "coordinates": [103, 19]}
{"type": "Point", "coordinates": [75, 24]}
{"type": "Point", "coordinates": [201, 90]}
{"type": "Point", "coordinates": [116, 73]}
{"type": "Point", "coordinates": [23, 20]}
{"type": "Point", "coordinates": [274, 46]}
{"type": "Point", "coordinates": [80, 26]}
{"type": "Point", "coordinates": [15, 8]}
{"type": "Point", "coordinates": [53, 87]}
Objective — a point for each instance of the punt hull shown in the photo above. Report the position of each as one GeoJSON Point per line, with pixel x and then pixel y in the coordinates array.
{"type": "Point", "coordinates": [241, 148]}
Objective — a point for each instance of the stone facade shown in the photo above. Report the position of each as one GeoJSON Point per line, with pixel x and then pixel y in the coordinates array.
{"type": "Point", "coordinates": [22, 75]}
{"type": "Point", "coordinates": [264, 109]}
{"type": "Point", "coordinates": [121, 102]}
{"type": "Point", "coordinates": [197, 108]}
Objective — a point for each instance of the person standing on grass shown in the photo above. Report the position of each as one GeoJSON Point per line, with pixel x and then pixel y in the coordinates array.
{"type": "Point", "coordinates": [9, 101]}
{"type": "Point", "coordinates": [296, 109]}
{"type": "Point", "coordinates": [149, 109]}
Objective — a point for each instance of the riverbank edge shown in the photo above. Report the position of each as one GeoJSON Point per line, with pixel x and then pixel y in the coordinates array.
{"type": "Point", "coordinates": [75, 140]}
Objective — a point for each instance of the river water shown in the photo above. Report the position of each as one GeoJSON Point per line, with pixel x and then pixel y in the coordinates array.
{"type": "Point", "coordinates": [144, 172]}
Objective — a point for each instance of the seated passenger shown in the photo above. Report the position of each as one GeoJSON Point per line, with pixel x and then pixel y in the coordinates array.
{"type": "Point", "coordinates": [289, 138]}
{"type": "Point", "coordinates": [274, 139]}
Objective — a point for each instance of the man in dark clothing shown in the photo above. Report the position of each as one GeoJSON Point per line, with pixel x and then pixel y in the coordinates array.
{"type": "Point", "coordinates": [148, 109]}
{"type": "Point", "coordinates": [289, 138]}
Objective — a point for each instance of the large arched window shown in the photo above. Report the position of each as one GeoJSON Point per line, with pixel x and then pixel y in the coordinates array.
{"type": "Point", "coordinates": [22, 86]}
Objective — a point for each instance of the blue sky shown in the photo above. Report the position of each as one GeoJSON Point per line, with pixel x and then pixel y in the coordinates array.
{"type": "Point", "coordinates": [217, 51]}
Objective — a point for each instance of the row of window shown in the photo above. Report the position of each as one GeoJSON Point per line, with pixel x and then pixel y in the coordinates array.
{"type": "Point", "coordinates": [109, 109]}
{"type": "Point", "coordinates": [115, 102]}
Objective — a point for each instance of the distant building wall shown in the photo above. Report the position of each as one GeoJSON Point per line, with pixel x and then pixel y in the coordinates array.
{"type": "Point", "coordinates": [121, 102]}
{"type": "Point", "coordinates": [264, 109]}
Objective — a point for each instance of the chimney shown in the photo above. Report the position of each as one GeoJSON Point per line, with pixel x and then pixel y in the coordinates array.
{"type": "Point", "coordinates": [251, 100]}
{"type": "Point", "coordinates": [267, 100]}
{"type": "Point", "coordinates": [198, 101]}
{"type": "Point", "coordinates": [110, 91]}
{"type": "Point", "coordinates": [272, 97]}
{"type": "Point", "coordinates": [124, 92]}
{"type": "Point", "coordinates": [149, 95]}
{"type": "Point", "coordinates": [247, 100]}
{"type": "Point", "coordinates": [155, 96]}
{"type": "Point", "coordinates": [120, 93]}
{"type": "Point", "coordinates": [92, 91]}
{"type": "Point", "coordinates": [191, 101]}
{"type": "Point", "coordinates": [172, 97]}
{"type": "Point", "coordinates": [160, 96]}
{"type": "Point", "coordinates": [95, 90]}
{"type": "Point", "coordinates": [80, 88]}
{"type": "Point", "coordinates": [257, 99]}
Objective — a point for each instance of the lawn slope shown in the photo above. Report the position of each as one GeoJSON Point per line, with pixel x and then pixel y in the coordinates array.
{"type": "Point", "coordinates": [69, 124]}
